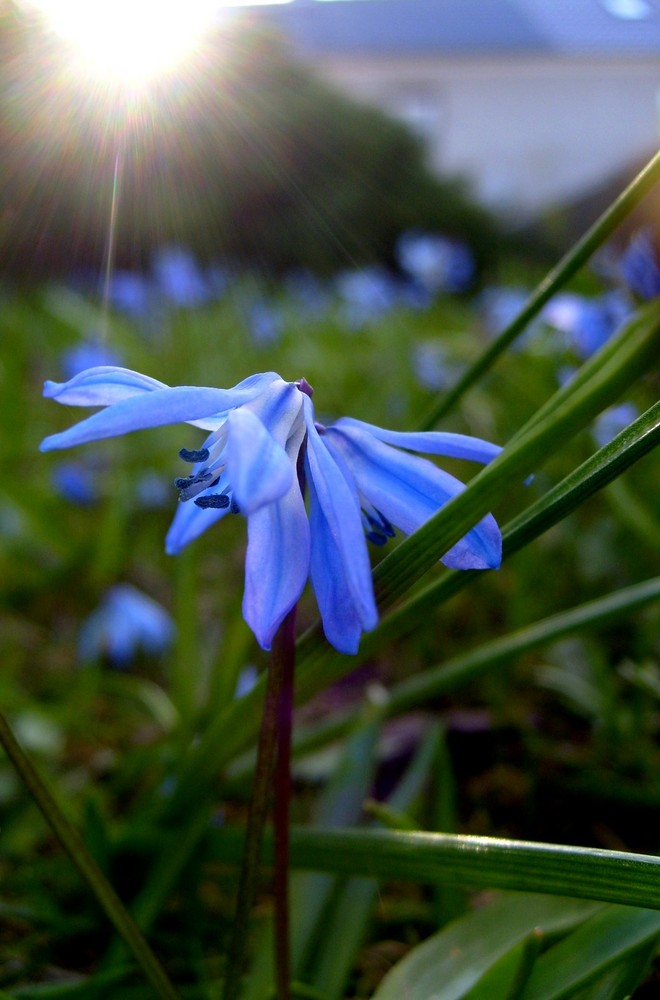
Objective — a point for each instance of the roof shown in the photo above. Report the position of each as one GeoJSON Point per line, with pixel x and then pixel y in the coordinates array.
{"type": "Point", "coordinates": [389, 27]}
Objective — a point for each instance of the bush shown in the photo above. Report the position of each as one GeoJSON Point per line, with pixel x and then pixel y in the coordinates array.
{"type": "Point", "coordinates": [252, 159]}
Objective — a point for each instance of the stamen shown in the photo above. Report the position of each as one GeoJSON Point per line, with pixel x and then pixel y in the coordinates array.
{"type": "Point", "coordinates": [217, 501]}
{"type": "Point", "coordinates": [305, 387]}
{"type": "Point", "coordinates": [192, 456]}
{"type": "Point", "coordinates": [381, 524]}
{"type": "Point", "coordinates": [376, 526]}
{"type": "Point", "coordinates": [376, 538]}
{"type": "Point", "coordinates": [190, 486]}
{"type": "Point", "coordinates": [235, 509]}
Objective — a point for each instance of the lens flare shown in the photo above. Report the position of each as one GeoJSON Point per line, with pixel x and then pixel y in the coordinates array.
{"type": "Point", "coordinates": [129, 41]}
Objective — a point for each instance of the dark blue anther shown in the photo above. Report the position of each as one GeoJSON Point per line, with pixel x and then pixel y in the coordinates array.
{"type": "Point", "coordinates": [216, 501]}
{"type": "Point", "coordinates": [376, 538]}
{"type": "Point", "coordinates": [190, 486]}
{"type": "Point", "coordinates": [235, 509]}
{"type": "Point", "coordinates": [381, 524]}
{"type": "Point", "coordinates": [181, 482]}
{"type": "Point", "coordinates": [194, 456]}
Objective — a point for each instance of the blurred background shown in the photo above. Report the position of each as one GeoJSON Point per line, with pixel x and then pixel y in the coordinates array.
{"type": "Point", "coordinates": [313, 133]}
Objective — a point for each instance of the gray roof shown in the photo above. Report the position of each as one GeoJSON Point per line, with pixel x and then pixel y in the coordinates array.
{"type": "Point", "coordinates": [387, 27]}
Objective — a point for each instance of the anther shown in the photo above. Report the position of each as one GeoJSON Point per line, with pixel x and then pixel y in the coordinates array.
{"type": "Point", "coordinates": [192, 456]}
{"type": "Point", "coordinates": [380, 523]}
{"type": "Point", "coordinates": [216, 501]}
{"type": "Point", "coordinates": [190, 486]}
{"type": "Point", "coordinates": [235, 509]}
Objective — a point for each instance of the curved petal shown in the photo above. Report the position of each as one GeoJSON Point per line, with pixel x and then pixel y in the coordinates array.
{"type": "Point", "coordinates": [189, 522]}
{"type": "Point", "coordinates": [340, 568]}
{"type": "Point", "coordinates": [258, 468]}
{"type": "Point", "coordinates": [180, 404]}
{"type": "Point", "coordinates": [481, 548]}
{"type": "Point", "coordinates": [279, 407]}
{"type": "Point", "coordinates": [276, 563]}
{"type": "Point", "coordinates": [408, 490]}
{"type": "Point", "coordinates": [430, 442]}
{"type": "Point", "coordinates": [100, 386]}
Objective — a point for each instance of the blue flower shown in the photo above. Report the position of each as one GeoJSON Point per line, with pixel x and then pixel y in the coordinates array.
{"type": "Point", "coordinates": [131, 293]}
{"type": "Point", "coordinates": [588, 323]}
{"type": "Point", "coordinates": [264, 322]}
{"type": "Point", "coordinates": [179, 278]}
{"type": "Point", "coordinates": [436, 263]}
{"type": "Point", "coordinates": [366, 295]}
{"type": "Point", "coordinates": [640, 266]}
{"type": "Point", "coordinates": [125, 622]}
{"type": "Point", "coordinates": [264, 441]}
{"type": "Point", "coordinates": [87, 354]}
{"type": "Point", "coordinates": [612, 421]}
{"type": "Point", "coordinates": [76, 483]}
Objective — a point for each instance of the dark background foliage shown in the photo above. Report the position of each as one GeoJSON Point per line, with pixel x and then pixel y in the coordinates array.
{"type": "Point", "coordinates": [249, 158]}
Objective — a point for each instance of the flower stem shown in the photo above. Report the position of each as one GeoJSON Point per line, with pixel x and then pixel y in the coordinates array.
{"type": "Point", "coordinates": [284, 651]}
{"type": "Point", "coordinates": [75, 847]}
{"type": "Point", "coordinates": [277, 696]}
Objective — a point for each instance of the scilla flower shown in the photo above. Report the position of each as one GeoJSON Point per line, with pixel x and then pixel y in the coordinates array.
{"type": "Point", "coordinates": [264, 447]}
{"type": "Point", "coordinates": [126, 621]}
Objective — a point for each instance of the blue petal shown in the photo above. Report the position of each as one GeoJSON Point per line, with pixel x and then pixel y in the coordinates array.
{"type": "Point", "coordinates": [156, 408]}
{"type": "Point", "coordinates": [408, 490]}
{"type": "Point", "coordinates": [276, 563]}
{"type": "Point", "coordinates": [340, 569]}
{"type": "Point", "coordinates": [189, 522]}
{"type": "Point", "coordinates": [258, 468]}
{"type": "Point", "coordinates": [100, 386]}
{"type": "Point", "coordinates": [279, 407]}
{"type": "Point", "coordinates": [429, 442]}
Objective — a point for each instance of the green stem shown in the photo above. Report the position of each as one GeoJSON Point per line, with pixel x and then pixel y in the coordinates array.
{"type": "Point", "coordinates": [560, 274]}
{"type": "Point", "coordinates": [284, 650]}
{"type": "Point", "coordinates": [74, 846]}
{"type": "Point", "coordinates": [259, 803]}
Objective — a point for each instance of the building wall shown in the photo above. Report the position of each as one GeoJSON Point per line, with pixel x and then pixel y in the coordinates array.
{"type": "Point", "coordinates": [528, 132]}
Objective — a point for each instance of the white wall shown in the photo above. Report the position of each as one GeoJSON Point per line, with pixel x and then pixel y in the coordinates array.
{"type": "Point", "coordinates": [528, 132]}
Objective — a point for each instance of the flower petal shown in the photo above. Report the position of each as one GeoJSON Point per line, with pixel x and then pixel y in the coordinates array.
{"type": "Point", "coordinates": [155, 408]}
{"type": "Point", "coordinates": [100, 386]}
{"type": "Point", "coordinates": [408, 490]}
{"type": "Point", "coordinates": [276, 563]}
{"type": "Point", "coordinates": [258, 468]}
{"type": "Point", "coordinates": [430, 442]}
{"type": "Point", "coordinates": [340, 568]}
{"type": "Point", "coordinates": [189, 522]}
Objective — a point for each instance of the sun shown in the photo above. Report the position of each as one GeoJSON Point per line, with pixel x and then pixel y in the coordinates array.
{"type": "Point", "coordinates": [129, 41]}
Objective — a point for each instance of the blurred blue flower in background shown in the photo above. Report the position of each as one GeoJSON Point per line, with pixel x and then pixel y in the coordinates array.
{"type": "Point", "coordinates": [76, 482]}
{"type": "Point", "coordinates": [612, 421]}
{"type": "Point", "coordinates": [125, 623]}
{"type": "Point", "coordinates": [639, 265]}
{"type": "Point", "coordinates": [87, 354]}
{"type": "Point", "coordinates": [588, 323]}
{"type": "Point", "coordinates": [434, 262]}
{"type": "Point", "coordinates": [307, 292]}
{"type": "Point", "coordinates": [362, 482]}
{"type": "Point", "coordinates": [179, 279]}
{"type": "Point", "coordinates": [499, 306]}
{"type": "Point", "coordinates": [264, 321]}
{"type": "Point", "coordinates": [131, 293]}
{"type": "Point", "coordinates": [366, 294]}
{"type": "Point", "coordinates": [432, 366]}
